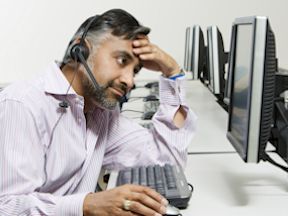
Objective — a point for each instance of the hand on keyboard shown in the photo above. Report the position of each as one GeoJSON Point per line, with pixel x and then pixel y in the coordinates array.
{"type": "Point", "coordinates": [168, 180]}
{"type": "Point", "coordinates": [135, 198]}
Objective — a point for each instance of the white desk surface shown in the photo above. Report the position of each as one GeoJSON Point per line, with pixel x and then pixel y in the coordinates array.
{"type": "Point", "coordinates": [212, 120]}
{"type": "Point", "coordinates": [225, 185]}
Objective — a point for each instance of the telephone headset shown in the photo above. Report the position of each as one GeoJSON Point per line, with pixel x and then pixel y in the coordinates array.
{"type": "Point", "coordinates": [79, 53]}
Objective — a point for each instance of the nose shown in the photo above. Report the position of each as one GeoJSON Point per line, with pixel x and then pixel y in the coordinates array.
{"type": "Point", "coordinates": [127, 78]}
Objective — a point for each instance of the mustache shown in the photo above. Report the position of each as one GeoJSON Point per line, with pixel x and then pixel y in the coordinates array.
{"type": "Point", "coordinates": [122, 86]}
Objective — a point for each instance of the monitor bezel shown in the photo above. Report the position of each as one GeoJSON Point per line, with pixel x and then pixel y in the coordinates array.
{"type": "Point", "coordinates": [188, 49]}
{"type": "Point", "coordinates": [213, 59]}
{"type": "Point", "coordinates": [249, 150]}
{"type": "Point", "coordinates": [195, 51]}
{"type": "Point", "coordinates": [227, 91]}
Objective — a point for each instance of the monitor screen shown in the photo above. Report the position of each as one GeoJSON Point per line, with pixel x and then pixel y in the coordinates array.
{"type": "Point", "coordinates": [242, 70]}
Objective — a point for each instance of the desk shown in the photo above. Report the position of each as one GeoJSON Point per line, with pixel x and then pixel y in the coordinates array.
{"type": "Point", "coordinates": [225, 185]}
{"type": "Point", "coordinates": [212, 120]}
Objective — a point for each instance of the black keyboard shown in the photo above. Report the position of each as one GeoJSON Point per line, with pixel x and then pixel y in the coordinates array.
{"type": "Point", "coordinates": [168, 180]}
{"type": "Point", "coordinates": [150, 108]}
{"type": "Point", "coordinates": [148, 125]}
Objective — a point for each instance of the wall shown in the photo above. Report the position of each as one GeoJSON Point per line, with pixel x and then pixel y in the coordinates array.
{"type": "Point", "coordinates": [36, 32]}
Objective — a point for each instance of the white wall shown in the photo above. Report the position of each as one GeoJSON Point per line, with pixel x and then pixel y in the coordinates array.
{"type": "Point", "coordinates": [35, 32]}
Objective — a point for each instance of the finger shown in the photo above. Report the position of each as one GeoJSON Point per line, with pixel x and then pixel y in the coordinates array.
{"type": "Point", "coordinates": [128, 213]}
{"type": "Point", "coordinates": [149, 202]}
{"type": "Point", "coordinates": [149, 192]}
{"type": "Point", "coordinates": [143, 50]}
{"type": "Point", "coordinates": [142, 36]}
{"type": "Point", "coordinates": [141, 209]}
{"type": "Point", "coordinates": [147, 56]}
{"type": "Point", "coordinates": [140, 42]}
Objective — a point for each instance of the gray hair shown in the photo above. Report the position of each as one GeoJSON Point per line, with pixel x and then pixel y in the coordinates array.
{"type": "Point", "coordinates": [116, 22]}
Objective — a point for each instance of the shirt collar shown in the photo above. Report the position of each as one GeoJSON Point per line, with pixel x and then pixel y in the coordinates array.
{"type": "Point", "coordinates": [55, 81]}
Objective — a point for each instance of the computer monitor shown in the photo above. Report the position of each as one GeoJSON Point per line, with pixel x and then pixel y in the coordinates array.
{"type": "Point", "coordinates": [188, 49]}
{"type": "Point", "coordinates": [252, 70]}
{"type": "Point", "coordinates": [216, 61]}
{"type": "Point", "coordinates": [195, 52]}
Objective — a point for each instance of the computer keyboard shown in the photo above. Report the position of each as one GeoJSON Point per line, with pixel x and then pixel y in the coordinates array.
{"type": "Point", "coordinates": [150, 107]}
{"type": "Point", "coordinates": [148, 125]}
{"type": "Point", "coordinates": [154, 90]}
{"type": "Point", "coordinates": [168, 180]}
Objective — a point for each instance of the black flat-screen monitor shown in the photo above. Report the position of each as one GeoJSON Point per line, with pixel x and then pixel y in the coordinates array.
{"type": "Point", "coordinates": [216, 61]}
{"type": "Point", "coordinates": [252, 71]}
{"type": "Point", "coordinates": [195, 52]}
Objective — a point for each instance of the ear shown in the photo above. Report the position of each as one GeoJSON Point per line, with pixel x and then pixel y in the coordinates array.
{"type": "Point", "coordinates": [79, 49]}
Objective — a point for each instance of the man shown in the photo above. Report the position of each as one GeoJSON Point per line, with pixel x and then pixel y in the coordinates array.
{"type": "Point", "coordinates": [58, 130]}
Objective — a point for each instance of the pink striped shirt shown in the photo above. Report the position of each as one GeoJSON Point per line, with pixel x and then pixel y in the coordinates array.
{"type": "Point", "coordinates": [46, 172]}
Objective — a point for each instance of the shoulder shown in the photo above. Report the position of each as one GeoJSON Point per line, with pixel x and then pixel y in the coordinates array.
{"type": "Point", "coordinates": [24, 92]}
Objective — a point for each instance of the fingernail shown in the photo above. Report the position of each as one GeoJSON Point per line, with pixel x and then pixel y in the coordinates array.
{"type": "Point", "coordinates": [157, 214]}
{"type": "Point", "coordinates": [135, 43]}
{"type": "Point", "coordinates": [164, 202]}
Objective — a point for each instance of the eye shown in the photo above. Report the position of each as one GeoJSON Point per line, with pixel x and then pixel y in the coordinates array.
{"type": "Point", "coordinates": [122, 60]}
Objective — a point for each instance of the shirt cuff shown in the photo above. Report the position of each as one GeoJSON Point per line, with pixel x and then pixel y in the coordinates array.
{"type": "Point", "coordinates": [71, 205]}
{"type": "Point", "coordinates": [172, 92]}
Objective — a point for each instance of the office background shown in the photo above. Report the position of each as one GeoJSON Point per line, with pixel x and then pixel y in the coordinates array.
{"type": "Point", "coordinates": [36, 32]}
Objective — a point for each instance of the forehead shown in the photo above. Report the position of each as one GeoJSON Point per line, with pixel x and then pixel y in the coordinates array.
{"type": "Point", "coordinates": [113, 44]}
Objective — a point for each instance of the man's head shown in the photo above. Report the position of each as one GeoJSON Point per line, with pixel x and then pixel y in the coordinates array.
{"type": "Point", "coordinates": [109, 40]}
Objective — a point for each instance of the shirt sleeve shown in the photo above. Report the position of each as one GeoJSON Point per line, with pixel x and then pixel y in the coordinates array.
{"type": "Point", "coordinates": [22, 168]}
{"type": "Point", "coordinates": [130, 144]}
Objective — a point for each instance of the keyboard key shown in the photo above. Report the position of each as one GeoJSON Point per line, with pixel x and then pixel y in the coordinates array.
{"type": "Point", "coordinates": [126, 176]}
{"type": "Point", "coordinates": [143, 176]}
{"type": "Point", "coordinates": [151, 177]}
{"type": "Point", "coordinates": [171, 181]}
{"type": "Point", "coordinates": [135, 176]}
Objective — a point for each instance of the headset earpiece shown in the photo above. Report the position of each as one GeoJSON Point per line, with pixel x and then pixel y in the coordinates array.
{"type": "Point", "coordinates": [81, 47]}
{"type": "Point", "coordinates": [77, 49]}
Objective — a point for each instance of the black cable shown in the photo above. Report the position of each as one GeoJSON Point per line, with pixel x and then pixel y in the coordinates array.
{"type": "Point", "coordinates": [191, 188]}
{"type": "Point", "coordinates": [70, 84]}
{"type": "Point", "coordinates": [266, 157]}
{"type": "Point", "coordinates": [63, 109]}
{"type": "Point", "coordinates": [136, 87]}
{"type": "Point", "coordinates": [139, 97]}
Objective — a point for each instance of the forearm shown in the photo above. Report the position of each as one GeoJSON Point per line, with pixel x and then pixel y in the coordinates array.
{"type": "Point", "coordinates": [173, 140]}
{"type": "Point", "coordinates": [41, 204]}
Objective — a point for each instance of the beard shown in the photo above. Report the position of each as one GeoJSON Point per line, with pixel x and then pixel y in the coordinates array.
{"type": "Point", "coordinates": [101, 95]}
